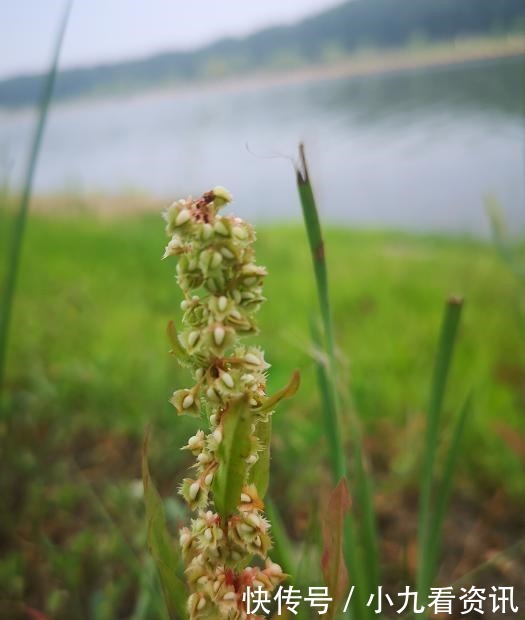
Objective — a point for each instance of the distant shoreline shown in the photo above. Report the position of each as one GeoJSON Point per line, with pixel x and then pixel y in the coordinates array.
{"type": "Point", "coordinates": [371, 63]}
{"type": "Point", "coordinates": [367, 63]}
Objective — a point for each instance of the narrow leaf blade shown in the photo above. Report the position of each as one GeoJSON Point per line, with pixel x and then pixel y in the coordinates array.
{"type": "Point", "coordinates": [160, 544]}
{"type": "Point", "coordinates": [445, 350]}
{"type": "Point", "coordinates": [333, 560]}
{"type": "Point", "coordinates": [233, 451]}
{"type": "Point", "coordinates": [260, 472]}
{"type": "Point", "coordinates": [286, 392]}
{"type": "Point", "coordinates": [15, 250]}
{"type": "Point", "coordinates": [443, 495]}
{"type": "Point", "coordinates": [177, 348]}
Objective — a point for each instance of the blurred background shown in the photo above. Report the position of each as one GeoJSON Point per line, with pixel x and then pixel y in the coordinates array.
{"type": "Point", "coordinates": [412, 113]}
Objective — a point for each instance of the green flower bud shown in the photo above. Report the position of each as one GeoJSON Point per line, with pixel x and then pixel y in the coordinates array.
{"type": "Point", "coordinates": [222, 195]}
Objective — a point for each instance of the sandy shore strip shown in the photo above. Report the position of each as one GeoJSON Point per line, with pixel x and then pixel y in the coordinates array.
{"type": "Point", "coordinates": [372, 62]}
{"type": "Point", "coordinates": [363, 63]}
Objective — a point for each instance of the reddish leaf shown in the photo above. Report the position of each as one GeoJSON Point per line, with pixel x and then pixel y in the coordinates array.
{"type": "Point", "coordinates": [332, 561]}
{"type": "Point", "coordinates": [34, 614]}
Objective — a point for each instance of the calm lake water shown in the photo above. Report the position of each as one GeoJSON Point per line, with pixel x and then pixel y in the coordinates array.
{"type": "Point", "coordinates": [416, 150]}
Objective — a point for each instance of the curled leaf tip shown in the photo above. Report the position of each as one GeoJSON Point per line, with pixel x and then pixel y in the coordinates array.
{"type": "Point", "coordinates": [287, 392]}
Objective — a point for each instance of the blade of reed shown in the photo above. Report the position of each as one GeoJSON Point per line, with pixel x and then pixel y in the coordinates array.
{"type": "Point", "coordinates": [315, 239]}
{"type": "Point", "coordinates": [362, 481]}
{"type": "Point", "coordinates": [13, 261]}
{"type": "Point", "coordinates": [352, 555]}
{"type": "Point", "coordinates": [427, 513]}
{"type": "Point", "coordinates": [327, 379]}
{"type": "Point", "coordinates": [445, 487]}
{"type": "Point", "coordinates": [329, 408]}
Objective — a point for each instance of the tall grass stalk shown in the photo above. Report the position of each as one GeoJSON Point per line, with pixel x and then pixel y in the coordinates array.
{"type": "Point", "coordinates": [315, 239]}
{"type": "Point", "coordinates": [427, 509]}
{"type": "Point", "coordinates": [362, 560]}
{"type": "Point", "coordinates": [356, 568]}
{"type": "Point", "coordinates": [13, 260]}
{"type": "Point", "coordinates": [445, 486]}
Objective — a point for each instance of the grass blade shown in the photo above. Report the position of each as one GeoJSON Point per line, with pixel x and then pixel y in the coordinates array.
{"type": "Point", "coordinates": [329, 409]}
{"type": "Point", "coordinates": [333, 562]}
{"type": "Point", "coordinates": [315, 239]}
{"type": "Point", "coordinates": [426, 511]}
{"type": "Point", "coordinates": [352, 555]}
{"type": "Point", "coordinates": [361, 565]}
{"type": "Point", "coordinates": [13, 263]}
{"type": "Point", "coordinates": [445, 486]}
{"type": "Point", "coordinates": [161, 545]}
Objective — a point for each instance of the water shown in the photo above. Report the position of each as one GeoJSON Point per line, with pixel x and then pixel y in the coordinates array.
{"type": "Point", "coordinates": [417, 150]}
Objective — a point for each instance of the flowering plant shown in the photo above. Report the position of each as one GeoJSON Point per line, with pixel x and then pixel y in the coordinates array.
{"type": "Point", "coordinates": [225, 548]}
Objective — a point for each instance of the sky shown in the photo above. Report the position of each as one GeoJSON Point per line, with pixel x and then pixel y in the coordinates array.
{"type": "Point", "coordinates": [110, 30]}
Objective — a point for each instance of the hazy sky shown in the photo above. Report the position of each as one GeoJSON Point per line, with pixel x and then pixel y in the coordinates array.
{"type": "Point", "coordinates": [105, 30]}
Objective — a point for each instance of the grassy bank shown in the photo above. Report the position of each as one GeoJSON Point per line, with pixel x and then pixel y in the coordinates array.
{"type": "Point", "coordinates": [88, 369]}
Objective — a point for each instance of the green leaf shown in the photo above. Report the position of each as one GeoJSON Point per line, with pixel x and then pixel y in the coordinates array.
{"type": "Point", "coordinates": [333, 560]}
{"type": "Point", "coordinates": [331, 405]}
{"type": "Point", "coordinates": [177, 349]}
{"type": "Point", "coordinates": [260, 472]}
{"type": "Point", "coordinates": [161, 546]}
{"type": "Point", "coordinates": [233, 451]}
{"type": "Point", "coordinates": [317, 251]}
{"type": "Point", "coordinates": [287, 392]}
{"type": "Point", "coordinates": [443, 494]}
{"type": "Point", "coordinates": [443, 361]}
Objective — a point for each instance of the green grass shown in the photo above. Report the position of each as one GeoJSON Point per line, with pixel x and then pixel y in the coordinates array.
{"type": "Point", "coordinates": [88, 368]}
{"type": "Point", "coordinates": [359, 537]}
{"type": "Point", "coordinates": [89, 327]}
{"type": "Point", "coordinates": [9, 289]}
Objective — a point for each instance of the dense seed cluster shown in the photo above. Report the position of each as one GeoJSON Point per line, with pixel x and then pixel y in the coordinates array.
{"type": "Point", "coordinates": [222, 289]}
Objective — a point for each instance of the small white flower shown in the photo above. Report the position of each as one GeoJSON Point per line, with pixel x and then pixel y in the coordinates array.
{"type": "Point", "coordinates": [220, 228]}
{"type": "Point", "coordinates": [252, 359]}
{"type": "Point", "coordinates": [194, 490]}
{"type": "Point", "coordinates": [219, 333]}
{"type": "Point", "coordinates": [216, 260]}
{"type": "Point", "coordinates": [221, 192]}
{"type": "Point", "coordinates": [193, 337]}
{"type": "Point", "coordinates": [227, 380]}
{"type": "Point", "coordinates": [201, 604]}
{"type": "Point", "coordinates": [240, 232]}
{"type": "Point", "coordinates": [182, 217]}
{"type": "Point", "coordinates": [187, 402]}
